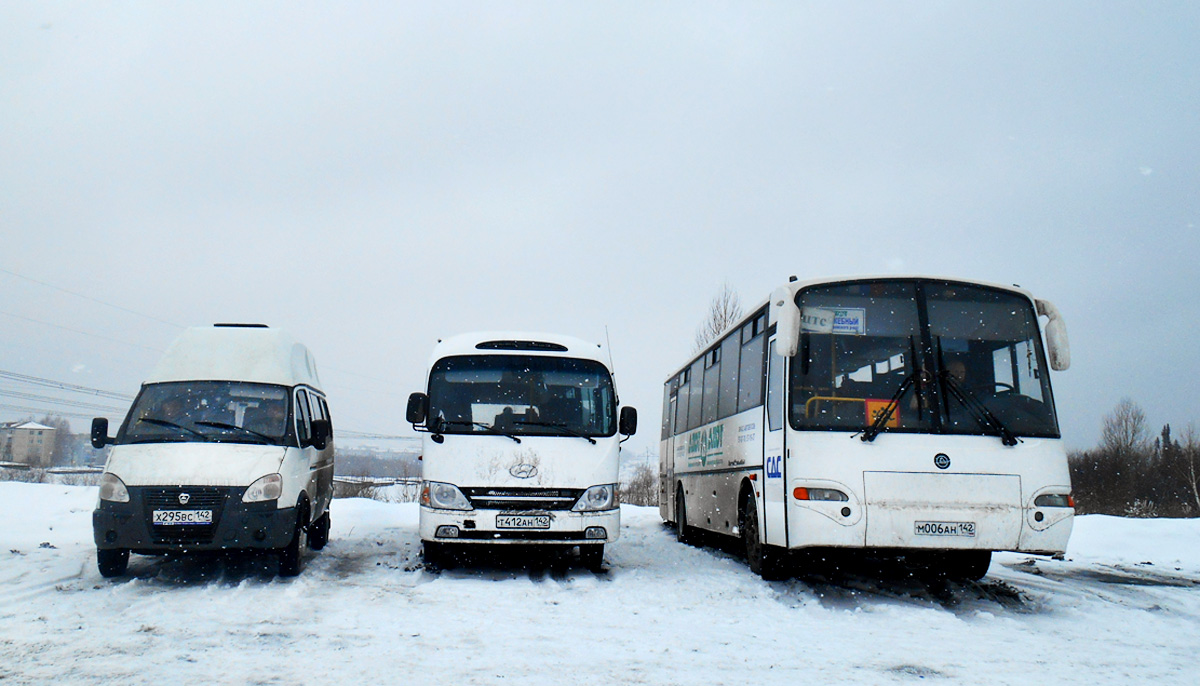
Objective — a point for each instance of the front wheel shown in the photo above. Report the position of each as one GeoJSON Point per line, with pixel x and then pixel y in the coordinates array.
{"type": "Point", "coordinates": [765, 560]}
{"type": "Point", "coordinates": [969, 565]}
{"type": "Point", "coordinates": [291, 558]}
{"type": "Point", "coordinates": [318, 532]}
{"type": "Point", "coordinates": [112, 562]}
{"type": "Point", "coordinates": [592, 556]}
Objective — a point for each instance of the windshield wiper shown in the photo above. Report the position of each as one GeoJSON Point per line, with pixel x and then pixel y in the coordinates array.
{"type": "Point", "coordinates": [881, 419]}
{"type": "Point", "coordinates": [562, 427]}
{"type": "Point", "coordinates": [235, 427]}
{"type": "Point", "coordinates": [173, 425]}
{"type": "Point", "coordinates": [979, 412]}
{"type": "Point", "coordinates": [486, 427]}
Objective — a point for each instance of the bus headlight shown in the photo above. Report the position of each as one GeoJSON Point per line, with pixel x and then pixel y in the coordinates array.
{"type": "Point", "coordinates": [597, 498]}
{"type": "Point", "coordinates": [444, 497]}
{"type": "Point", "coordinates": [113, 489]}
{"type": "Point", "coordinates": [829, 494]}
{"type": "Point", "coordinates": [269, 487]}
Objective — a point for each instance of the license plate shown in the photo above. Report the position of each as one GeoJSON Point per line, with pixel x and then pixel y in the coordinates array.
{"type": "Point", "coordinates": [178, 517]}
{"type": "Point", "coordinates": [966, 529]}
{"type": "Point", "coordinates": [522, 521]}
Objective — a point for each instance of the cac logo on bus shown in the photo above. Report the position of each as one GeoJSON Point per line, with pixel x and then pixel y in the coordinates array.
{"type": "Point", "coordinates": [774, 466]}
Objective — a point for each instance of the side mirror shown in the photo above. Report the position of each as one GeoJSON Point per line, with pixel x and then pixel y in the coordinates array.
{"type": "Point", "coordinates": [628, 422]}
{"type": "Point", "coordinates": [100, 433]}
{"type": "Point", "coordinates": [1058, 348]}
{"type": "Point", "coordinates": [787, 318]}
{"type": "Point", "coordinates": [322, 431]}
{"type": "Point", "coordinates": [418, 408]}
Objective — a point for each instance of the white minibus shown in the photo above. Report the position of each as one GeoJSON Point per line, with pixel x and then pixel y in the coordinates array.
{"type": "Point", "coordinates": [521, 445]}
{"type": "Point", "coordinates": [907, 415]}
{"type": "Point", "coordinates": [228, 445]}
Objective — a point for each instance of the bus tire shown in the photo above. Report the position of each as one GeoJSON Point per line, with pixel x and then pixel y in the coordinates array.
{"type": "Point", "coordinates": [318, 532]}
{"type": "Point", "coordinates": [683, 533]}
{"type": "Point", "coordinates": [434, 554]}
{"type": "Point", "coordinates": [591, 556]}
{"type": "Point", "coordinates": [112, 562]}
{"type": "Point", "coordinates": [291, 557]}
{"type": "Point", "coordinates": [765, 560]}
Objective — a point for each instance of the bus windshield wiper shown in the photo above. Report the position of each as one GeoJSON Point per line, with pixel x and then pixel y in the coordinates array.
{"type": "Point", "coordinates": [562, 427]}
{"type": "Point", "coordinates": [162, 422]}
{"type": "Point", "coordinates": [235, 427]}
{"type": "Point", "coordinates": [881, 419]}
{"type": "Point", "coordinates": [486, 427]}
{"type": "Point", "coordinates": [979, 412]}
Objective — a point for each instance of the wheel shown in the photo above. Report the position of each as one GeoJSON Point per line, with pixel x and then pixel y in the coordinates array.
{"type": "Point", "coordinates": [592, 556]}
{"type": "Point", "coordinates": [318, 532]}
{"type": "Point", "coordinates": [436, 554]}
{"type": "Point", "coordinates": [683, 533]}
{"type": "Point", "coordinates": [112, 562]}
{"type": "Point", "coordinates": [969, 565]}
{"type": "Point", "coordinates": [291, 558]}
{"type": "Point", "coordinates": [765, 560]}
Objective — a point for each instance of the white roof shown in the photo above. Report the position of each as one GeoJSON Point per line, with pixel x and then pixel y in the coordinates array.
{"type": "Point", "coordinates": [237, 353]}
{"type": "Point", "coordinates": [465, 344]}
{"type": "Point", "coordinates": [33, 425]}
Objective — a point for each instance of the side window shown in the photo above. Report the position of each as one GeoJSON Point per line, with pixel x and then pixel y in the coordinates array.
{"type": "Point", "coordinates": [325, 412]}
{"type": "Point", "coordinates": [303, 417]}
{"type": "Point", "coordinates": [696, 395]}
{"type": "Point", "coordinates": [670, 393]}
{"type": "Point", "coordinates": [681, 402]}
{"type": "Point", "coordinates": [712, 378]}
{"type": "Point", "coordinates": [750, 377]}
{"type": "Point", "coordinates": [730, 349]}
{"type": "Point", "coordinates": [775, 390]}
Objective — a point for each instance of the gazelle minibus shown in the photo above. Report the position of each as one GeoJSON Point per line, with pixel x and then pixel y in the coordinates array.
{"type": "Point", "coordinates": [521, 444]}
{"type": "Point", "coordinates": [894, 414]}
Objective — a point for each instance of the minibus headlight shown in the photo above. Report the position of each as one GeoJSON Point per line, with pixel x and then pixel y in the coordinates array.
{"type": "Point", "coordinates": [597, 498]}
{"type": "Point", "coordinates": [1054, 500]}
{"type": "Point", "coordinates": [270, 487]}
{"type": "Point", "coordinates": [113, 489]}
{"type": "Point", "coordinates": [444, 497]}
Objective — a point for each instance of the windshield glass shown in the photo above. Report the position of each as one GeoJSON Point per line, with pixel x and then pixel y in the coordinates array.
{"type": "Point", "coordinates": [954, 358]}
{"type": "Point", "coordinates": [208, 411]}
{"type": "Point", "coordinates": [526, 395]}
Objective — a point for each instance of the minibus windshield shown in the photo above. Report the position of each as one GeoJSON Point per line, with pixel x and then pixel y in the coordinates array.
{"type": "Point", "coordinates": [521, 395]}
{"type": "Point", "coordinates": [208, 411]}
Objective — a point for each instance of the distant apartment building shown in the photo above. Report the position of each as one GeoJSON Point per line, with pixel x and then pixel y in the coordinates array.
{"type": "Point", "coordinates": [26, 443]}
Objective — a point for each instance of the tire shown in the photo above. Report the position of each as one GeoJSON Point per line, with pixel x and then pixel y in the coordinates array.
{"type": "Point", "coordinates": [318, 532]}
{"type": "Point", "coordinates": [291, 558]}
{"type": "Point", "coordinates": [969, 565]}
{"type": "Point", "coordinates": [112, 562]}
{"type": "Point", "coordinates": [683, 533]}
{"type": "Point", "coordinates": [765, 560]}
{"type": "Point", "coordinates": [435, 554]}
{"type": "Point", "coordinates": [592, 556]}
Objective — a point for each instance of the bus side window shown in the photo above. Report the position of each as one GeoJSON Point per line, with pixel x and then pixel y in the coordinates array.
{"type": "Point", "coordinates": [775, 390]}
{"type": "Point", "coordinates": [730, 360]}
{"type": "Point", "coordinates": [750, 377]}
{"type": "Point", "coordinates": [712, 380]}
{"type": "Point", "coordinates": [681, 404]}
{"type": "Point", "coordinates": [696, 394]}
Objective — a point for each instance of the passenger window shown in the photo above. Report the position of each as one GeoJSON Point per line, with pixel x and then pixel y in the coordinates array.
{"type": "Point", "coordinates": [695, 395]}
{"type": "Point", "coordinates": [750, 377]}
{"type": "Point", "coordinates": [775, 390]}
{"type": "Point", "coordinates": [303, 418]}
{"type": "Point", "coordinates": [730, 348]}
{"type": "Point", "coordinates": [712, 378]}
{"type": "Point", "coordinates": [681, 401]}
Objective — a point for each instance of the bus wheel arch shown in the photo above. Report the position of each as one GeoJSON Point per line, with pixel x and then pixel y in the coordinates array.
{"type": "Point", "coordinates": [684, 533]}
{"type": "Point", "coordinates": [765, 560]}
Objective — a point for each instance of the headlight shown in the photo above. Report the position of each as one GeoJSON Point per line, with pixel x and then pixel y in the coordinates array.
{"type": "Point", "coordinates": [597, 498]}
{"type": "Point", "coordinates": [270, 487]}
{"type": "Point", "coordinates": [113, 489]}
{"type": "Point", "coordinates": [444, 497]}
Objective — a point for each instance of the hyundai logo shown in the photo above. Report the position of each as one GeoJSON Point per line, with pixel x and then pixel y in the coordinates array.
{"type": "Point", "coordinates": [523, 470]}
{"type": "Point", "coordinates": [184, 498]}
{"type": "Point", "coordinates": [941, 461]}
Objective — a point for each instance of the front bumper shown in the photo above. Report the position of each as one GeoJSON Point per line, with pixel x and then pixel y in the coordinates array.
{"type": "Point", "coordinates": [479, 526]}
{"type": "Point", "coordinates": [235, 525]}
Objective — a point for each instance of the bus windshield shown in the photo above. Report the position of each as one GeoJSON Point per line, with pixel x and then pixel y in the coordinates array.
{"type": "Point", "coordinates": [209, 412]}
{"type": "Point", "coordinates": [526, 395]}
{"type": "Point", "coordinates": [933, 356]}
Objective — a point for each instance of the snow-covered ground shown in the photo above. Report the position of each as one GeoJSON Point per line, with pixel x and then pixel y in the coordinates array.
{"type": "Point", "coordinates": [1123, 608]}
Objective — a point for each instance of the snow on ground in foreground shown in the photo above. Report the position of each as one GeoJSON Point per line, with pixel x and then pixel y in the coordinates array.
{"type": "Point", "coordinates": [1123, 608]}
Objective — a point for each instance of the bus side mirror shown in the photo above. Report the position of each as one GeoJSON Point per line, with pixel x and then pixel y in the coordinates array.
{"type": "Point", "coordinates": [100, 433]}
{"type": "Point", "coordinates": [1058, 348]}
{"type": "Point", "coordinates": [418, 408]}
{"type": "Point", "coordinates": [322, 431]}
{"type": "Point", "coordinates": [787, 321]}
{"type": "Point", "coordinates": [628, 422]}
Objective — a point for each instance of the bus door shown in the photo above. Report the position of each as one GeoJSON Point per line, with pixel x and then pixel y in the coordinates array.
{"type": "Point", "coordinates": [774, 496]}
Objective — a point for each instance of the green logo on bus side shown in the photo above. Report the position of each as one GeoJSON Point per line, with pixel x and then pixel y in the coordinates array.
{"type": "Point", "coordinates": [704, 446]}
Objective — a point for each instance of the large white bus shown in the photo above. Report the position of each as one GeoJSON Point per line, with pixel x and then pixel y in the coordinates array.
{"type": "Point", "coordinates": [521, 444]}
{"type": "Point", "coordinates": [891, 414]}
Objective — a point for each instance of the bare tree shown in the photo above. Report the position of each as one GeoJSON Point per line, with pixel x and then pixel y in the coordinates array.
{"type": "Point", "coordinates": [724, 310]}
{"type": "Point", "coordinates": [642, 488]}
{"type": "Point", "coordinates": [1187, 463]}
{"type": "Point", "coordinates": [1124, 434]}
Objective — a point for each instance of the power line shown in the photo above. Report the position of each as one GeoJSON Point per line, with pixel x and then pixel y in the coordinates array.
{"type": "Point", "coordinates": [57, 401]}
{"type": "Point", "coordinates": [85, 333]}
{"type": "Point", "coordinates": [44, 411]}
{"type": "Point", "coordinates": [50, 383]}
{"type": "Point", "coordinates": [88, 297]}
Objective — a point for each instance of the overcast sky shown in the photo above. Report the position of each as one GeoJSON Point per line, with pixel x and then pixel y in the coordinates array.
{"type": "Point", "coordinates": [375, 176]}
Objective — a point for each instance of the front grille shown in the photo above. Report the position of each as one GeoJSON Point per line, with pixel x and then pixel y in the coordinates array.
{"type": "Point", "coordinates": [521, 499]}
{"type": "Point", "coordinates": [199, 498]}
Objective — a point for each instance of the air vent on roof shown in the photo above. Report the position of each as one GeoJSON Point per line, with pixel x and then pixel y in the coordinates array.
{"type": "Point", "coordinates": [521, 345]}
{"type": "Point", "coordinates": [243, 326]}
